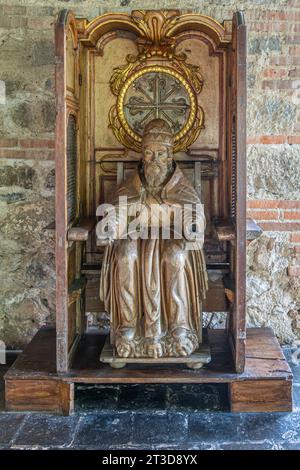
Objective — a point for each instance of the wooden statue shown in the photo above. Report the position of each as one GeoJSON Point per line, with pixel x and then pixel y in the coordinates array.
{"type": "Point", "coordinates": [153, 287]}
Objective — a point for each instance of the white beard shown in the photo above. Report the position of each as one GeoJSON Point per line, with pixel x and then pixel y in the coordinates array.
{"type": "Point", "coordinates": [155, 175]}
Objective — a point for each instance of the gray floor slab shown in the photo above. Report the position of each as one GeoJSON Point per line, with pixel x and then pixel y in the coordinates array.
{"type": "Point", "coordinates": [43, 430]}
{"type": "Point", "coordinates": [10, 424]}
{"type": "Point", "coordinates": [104, 429]}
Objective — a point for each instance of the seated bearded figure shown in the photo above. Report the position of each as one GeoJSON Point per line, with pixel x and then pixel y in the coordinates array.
{"type": "Point", "coordinates": [153, 285]}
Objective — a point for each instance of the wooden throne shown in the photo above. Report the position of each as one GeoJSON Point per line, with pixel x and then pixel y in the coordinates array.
{"type": "Point", "coordinates": [95, 147]}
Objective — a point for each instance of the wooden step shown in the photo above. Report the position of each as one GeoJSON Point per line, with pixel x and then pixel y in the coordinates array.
{"type": "Point", "coordinates": [265, 385]}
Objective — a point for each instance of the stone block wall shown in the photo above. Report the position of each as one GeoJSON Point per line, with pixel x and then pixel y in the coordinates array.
{"type": "Point", "coordinates": [27, 115]}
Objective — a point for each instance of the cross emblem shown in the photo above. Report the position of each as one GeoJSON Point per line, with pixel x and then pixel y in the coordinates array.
{"type": "Point", "coordinates": [157, 95]}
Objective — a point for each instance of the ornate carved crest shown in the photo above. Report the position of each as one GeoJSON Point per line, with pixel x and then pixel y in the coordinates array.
{"type": "Point", "coordinates": [156, 82]}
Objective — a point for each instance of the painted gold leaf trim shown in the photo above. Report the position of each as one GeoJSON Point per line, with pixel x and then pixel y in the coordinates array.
{"type": "Point", "coordinates": [156, 41]}
{"type": "Point", "coordinates": [157, 69]}
{"type": "Point", "coordinates": [121, 73]}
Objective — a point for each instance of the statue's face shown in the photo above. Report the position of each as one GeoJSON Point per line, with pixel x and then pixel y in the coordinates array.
{"type": "Point", "coordinates": [157, 162]}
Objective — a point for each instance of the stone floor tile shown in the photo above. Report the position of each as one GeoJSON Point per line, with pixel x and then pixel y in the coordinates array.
{"type": "Point", "coordinates": [263, 445]}
{"type": "Point", "coordinates": [286, 446]}
{"type": "Point", "coordinates": [10, 423]}
{"type": "Point", "coordinates": [104, 429]}
{"type": "Point", "coordinates": [275, 426]}
{"type": "Point", "coordinates": [46, 430]}
{"type": "Point", "coordinates": [210, 427]}
{"type": "Point", "coordinates": [296, 397]}
{"type": "Point", "coordinates": [159, 428]}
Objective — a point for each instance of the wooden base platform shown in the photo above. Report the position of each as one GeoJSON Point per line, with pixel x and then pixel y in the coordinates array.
{"type": "Point", "coordinates": [32, 383]}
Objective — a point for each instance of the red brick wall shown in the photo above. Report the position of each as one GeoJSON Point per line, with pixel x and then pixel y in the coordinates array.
{"type": "Point", "coordinates": [275, 215]}
{"type": "Point", "coordinates": [282, 70]}
{"type": "Point", "coordinates": [281, 74]}
{"type": "Point", "coordinates": [27, 149]}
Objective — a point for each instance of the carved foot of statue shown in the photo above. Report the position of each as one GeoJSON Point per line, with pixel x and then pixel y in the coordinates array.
{"type": "Point", "coordinates": [195, 365]}
{"type": "Point", "coordinates": [184, 342]}
{"type": "Point", "coordinates": [117, 365]}
{"type": "Point", "coordinates": [124, 341]}
{"type": "Point", "coordinates": [154, 348]}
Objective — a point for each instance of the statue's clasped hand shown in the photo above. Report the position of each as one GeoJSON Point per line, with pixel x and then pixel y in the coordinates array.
{"type": "Point", "coordinates": [107, 227]}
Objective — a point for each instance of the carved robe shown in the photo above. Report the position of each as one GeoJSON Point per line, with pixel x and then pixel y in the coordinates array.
{"type": "Point", "coordinates": [155, 286]}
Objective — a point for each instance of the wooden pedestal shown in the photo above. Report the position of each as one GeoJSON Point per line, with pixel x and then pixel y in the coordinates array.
{"type": "Point", "coordinates": [194, 361]}
{"type": "Point", "coordinates": [32, 383]}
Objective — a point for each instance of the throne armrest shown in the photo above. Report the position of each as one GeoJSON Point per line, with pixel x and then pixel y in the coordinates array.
{"type": "Point", "coordinates": [80, 232]}
{"type": "Point", "coordinates": [226, 232]}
